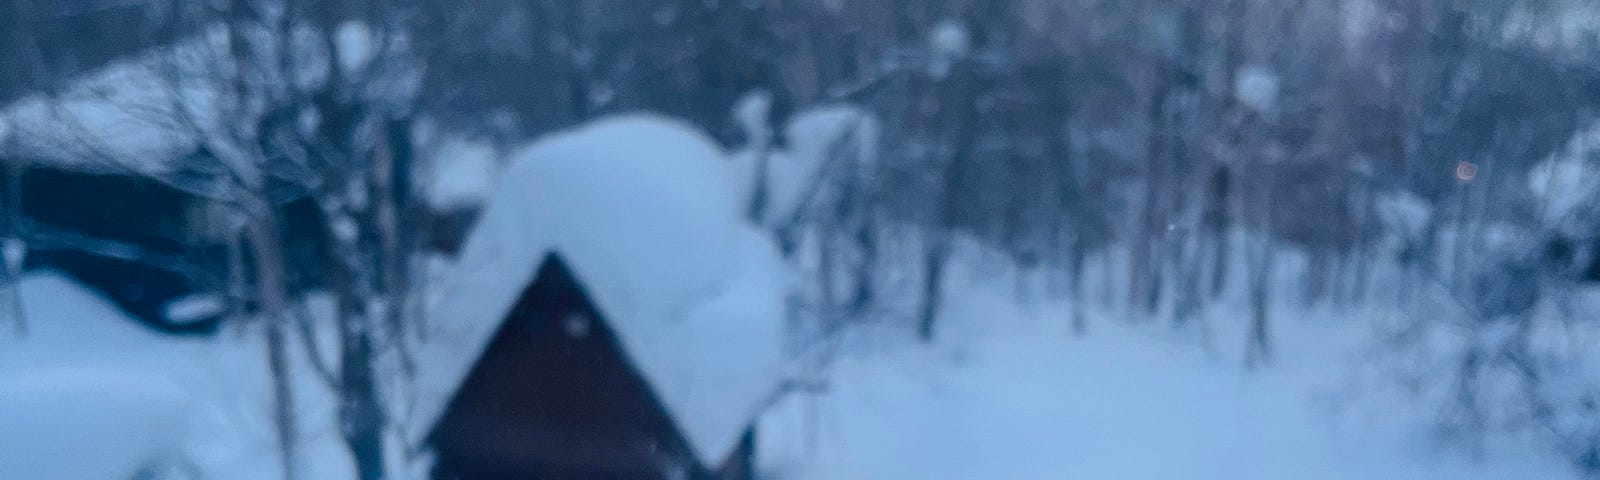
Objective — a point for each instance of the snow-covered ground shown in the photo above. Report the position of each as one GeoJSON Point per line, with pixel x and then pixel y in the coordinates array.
{"type": "Point", "coordinates": [1009, 394]}
{"type": "Point", "coordinates": [1006, 393]}
{"type": "Point", "coordinates": [86, 393]}
{"type": "Point", "coordinates": [86, 396]}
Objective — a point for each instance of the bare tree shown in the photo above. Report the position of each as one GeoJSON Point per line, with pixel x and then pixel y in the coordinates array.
{"type": "Point", "coordinates": [280, 102]}
{"type": "Point", "coordinates": [12, 249]}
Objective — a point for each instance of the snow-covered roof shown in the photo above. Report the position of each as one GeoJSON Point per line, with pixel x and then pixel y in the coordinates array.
{"type": "Point", "coordinates": [812, 134]}
{"type": "Point", "coordinates": [145, 113]}
{"type": "Point", "coordinates": [134, 115]}
{"type": "Point", "coordinates": [643, 211]}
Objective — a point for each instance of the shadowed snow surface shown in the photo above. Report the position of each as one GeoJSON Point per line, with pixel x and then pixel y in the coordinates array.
{"type": "Point", "coordinates": [1008, 393]}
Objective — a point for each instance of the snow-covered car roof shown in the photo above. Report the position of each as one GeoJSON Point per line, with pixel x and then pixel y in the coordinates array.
{"type": "Point", "coordinates": [643, 211]}
{"type": "Point", "coordinates": [119, 119]}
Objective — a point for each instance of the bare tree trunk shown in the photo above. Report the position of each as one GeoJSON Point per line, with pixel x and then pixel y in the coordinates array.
{"type": "Point", "coordinates": [1143, 286]}
{"type": "Point", "coordinates": [758, 192]}
{"type": "Point", "coordinates": [1222, 184]}
{"type": "Point", "coordinates": [360, 412]}
{"type": "Point", "coordinates": [1108, 278]}
{"type": "Point", "coordinates": [1188, 279]}
{"type": "Point", "coordinates": [827, 250]}
{"type": "Point", "coordinates": [11, 308]}
{"type": "Point", "coordinates": [937, 247]}
{"type": "Point", "coordinates": [959, 129]}
{"type": "Point", "coordinates": [933, 261]}
{"type": "Point", "coordinates": [867, 242]}
{"type": "Point", "coordinates": [351, 278]}
{"type": "Point", "coordinates": [1258, 346]}
{"type": "Point", "coordinates": [1080, 325]}
{"type": "Point", "coordinates": [1317, 276]}
{"type": "Point", "coordinates": [395, 222]}
{"type": "Point", "coordinates": [1140, 266]}
{"type": "Point", "coordinates": [1219, 263]}
{"type": "Point", "coordinates": [12, 248]}
{"type": "Point", "coordinates": [268, 255]}
{"type": "Point", "coordinates": [28, 58]}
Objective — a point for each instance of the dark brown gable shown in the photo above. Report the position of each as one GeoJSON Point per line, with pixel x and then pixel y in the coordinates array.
{"type": "Point", "coordinates": [553, 397]}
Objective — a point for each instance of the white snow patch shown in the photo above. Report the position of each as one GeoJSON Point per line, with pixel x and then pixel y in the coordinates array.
{"type": "Point", "coordinates": [465, 174]}
{"type": "Point", "coordinates": [137, 115]}
{"type": "Point", "coordinates": [750, 113]}
{"type": "Point", "coordinates": [1404, 212]}
{"type": "Point", "coordinates": [87, 422]}
{"type": "Point", "coordinates": [194, 308]}
{"type": "Point", "coordinates": [949, 41]}
{"type": "Point", "coordinates": [354, 42]}
{"type": "Point", "coordinates": [1256, 87]}
{"type": "Point", "coordinates": [84, 378]}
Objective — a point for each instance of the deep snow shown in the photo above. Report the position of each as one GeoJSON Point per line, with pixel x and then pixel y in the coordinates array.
{"type": "Point", "coordinates": [1005, 393]}
{"type": "Point", "coordinates": [88, 394]}
{"type": "Point", "coordinates": [1009, 393]}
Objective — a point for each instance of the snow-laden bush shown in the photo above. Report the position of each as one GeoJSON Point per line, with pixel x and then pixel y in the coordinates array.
{"type": "Point", "coordinates": [1503, 356]}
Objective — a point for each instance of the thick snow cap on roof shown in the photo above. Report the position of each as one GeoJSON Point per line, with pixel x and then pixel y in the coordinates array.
{"type": "Point", "coordinates": [643, 210]}
{"type": "Point", "coordinates": [139, 115]}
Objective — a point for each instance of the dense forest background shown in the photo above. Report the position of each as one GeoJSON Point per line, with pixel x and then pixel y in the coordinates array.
{"type": "Point", "coordinates": [1153, 158]}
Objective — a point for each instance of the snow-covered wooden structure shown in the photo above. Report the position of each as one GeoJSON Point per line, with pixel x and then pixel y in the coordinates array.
{"type": "Point", "coordinates": [104, 174]}
{"type": "Point", "coordinates": [611, 316]}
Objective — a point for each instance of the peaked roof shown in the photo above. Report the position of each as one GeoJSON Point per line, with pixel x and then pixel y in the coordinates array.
{"type": "Point", "coordinates": [643, 210]}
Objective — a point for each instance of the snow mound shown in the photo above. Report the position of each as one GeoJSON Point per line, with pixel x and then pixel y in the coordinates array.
{"type": "Point", "coordinates": [130, 116]}
{"type": "Point", "coordinates": [122, 420]}
{"type": "Point", "coordinates": [465, 175]}
{"type": "Point", "coordinates": [84, 378]}
{"type": "Point", "coordinates": [643, 210]}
